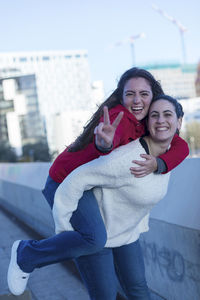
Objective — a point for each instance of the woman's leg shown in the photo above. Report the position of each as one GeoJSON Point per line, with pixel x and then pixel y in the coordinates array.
{"type": "Point", "coordinates": [98, 274]}
{"type": "Point", "coordinates": [130, 270]}
{"type": "Point", "coordinates": [89, 237]}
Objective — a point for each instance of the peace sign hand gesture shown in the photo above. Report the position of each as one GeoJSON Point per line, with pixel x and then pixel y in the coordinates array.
{"type": "Point", "coordinates": [104, 132]}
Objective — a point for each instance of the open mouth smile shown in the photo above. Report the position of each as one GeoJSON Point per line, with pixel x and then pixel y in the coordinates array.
{"type": "Point", "coordinates": [164, 128]}
{"type": "Point", "coordinates": [136, 109]}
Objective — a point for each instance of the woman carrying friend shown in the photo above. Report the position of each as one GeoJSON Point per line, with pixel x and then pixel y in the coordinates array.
{"type": "Point", "coordinates": [135, 91]}
{"type": "Point", "coordinates": [124, 202]}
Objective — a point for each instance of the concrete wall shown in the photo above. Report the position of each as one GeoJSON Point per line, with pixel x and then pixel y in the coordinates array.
{"type": "Point", "coordinates": [171, 247]}
{"type": "Point", "coordinates": [20, 193]}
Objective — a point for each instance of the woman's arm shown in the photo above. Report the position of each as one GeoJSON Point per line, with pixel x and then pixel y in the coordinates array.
{"type": "Point", "coordinates": [178, 151]}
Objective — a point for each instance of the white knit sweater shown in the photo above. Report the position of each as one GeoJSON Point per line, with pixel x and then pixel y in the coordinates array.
{"type": "Point", "coordinates": [124, 201]}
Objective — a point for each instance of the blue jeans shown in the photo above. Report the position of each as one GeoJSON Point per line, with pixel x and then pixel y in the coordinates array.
{"type": "Point", "coordinates": [89, 235]}
{"type": "Point", "coordinates": [99, 272]}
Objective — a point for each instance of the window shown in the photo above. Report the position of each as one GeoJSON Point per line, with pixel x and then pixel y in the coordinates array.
{"type": "Point", "coordinates": [45, 58]}
{"type": "Point", "coordinates": [22, 59]}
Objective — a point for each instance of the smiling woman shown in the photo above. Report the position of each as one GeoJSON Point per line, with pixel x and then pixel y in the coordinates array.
{"type": "Point", "coordinates": [164, 120]}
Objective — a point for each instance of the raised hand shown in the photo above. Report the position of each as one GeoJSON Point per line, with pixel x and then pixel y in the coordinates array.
{"type": "Point", "coordinates": [104, 132]}
{"type": "Point", "coordinates": [146, 166]}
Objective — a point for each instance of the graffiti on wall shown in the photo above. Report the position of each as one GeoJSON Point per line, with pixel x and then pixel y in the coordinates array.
{"type": "Point", "coordinates": [169, 262]}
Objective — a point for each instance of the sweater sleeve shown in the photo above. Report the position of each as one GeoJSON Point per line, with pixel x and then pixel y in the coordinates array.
{"type": "Point", "coordinates": [178, 151]}
{"type": "Point", "coordinates": [94, 173]}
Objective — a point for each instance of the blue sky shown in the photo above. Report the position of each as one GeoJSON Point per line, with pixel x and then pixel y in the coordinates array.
{"type": "Point", "coordinates": [29, 25]}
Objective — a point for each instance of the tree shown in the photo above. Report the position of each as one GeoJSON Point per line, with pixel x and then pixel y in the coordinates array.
{"type": "Point", "coordinates": [192, 135]}
{"type": "Point", "coordinates": [36, 152]}
{"type": "Point", "coordinates": [7, 153]}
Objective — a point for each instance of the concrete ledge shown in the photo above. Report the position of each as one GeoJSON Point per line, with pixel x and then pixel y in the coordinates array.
{"type": "Point", "coordinates": [181, 204]}
{"type": "Point", "coordinates": [25, 296]}
{"type": "Point", "coordinates": [29, 205]}
{"type": "Point", "coordinates": [21, 193]}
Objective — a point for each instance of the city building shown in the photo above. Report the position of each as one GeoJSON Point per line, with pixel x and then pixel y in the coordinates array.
{"type": "Point", "coordinates": [62, 80]}
{"type": "Point", "coordinates": [177, 80]}
{"type": "Point", "coordinates": [5, 107]}
{"type": "Point", "coordinates": [67, 126]}
{"type": "Point", "coordinates": [197, 81]}
{"type": "Point", "coordinates": [97, 92]}
{"type": "Point", "coordinates": [20, 119]}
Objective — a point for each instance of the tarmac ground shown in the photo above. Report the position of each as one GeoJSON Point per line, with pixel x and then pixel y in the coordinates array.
{"type": "Point", "coordinates": [54, 282]}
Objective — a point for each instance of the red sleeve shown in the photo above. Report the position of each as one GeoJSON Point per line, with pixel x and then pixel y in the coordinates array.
{"type": "Point", "coordinates": [120, 137]}
{"type": "Point", "coordinates": [178, 151]}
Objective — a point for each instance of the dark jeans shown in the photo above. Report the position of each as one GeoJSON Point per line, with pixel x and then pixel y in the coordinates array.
{"type": "Point", "coordinates": [99, 272]}
{"type": "Point", "coordinates": [89, 235]}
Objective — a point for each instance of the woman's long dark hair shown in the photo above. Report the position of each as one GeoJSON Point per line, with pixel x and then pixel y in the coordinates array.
{"type": "Point", "coordinates": [113, 100]}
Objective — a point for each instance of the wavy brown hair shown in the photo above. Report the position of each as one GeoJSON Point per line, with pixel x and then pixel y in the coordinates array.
{"type": "Point", "coordinates": [113, 100]}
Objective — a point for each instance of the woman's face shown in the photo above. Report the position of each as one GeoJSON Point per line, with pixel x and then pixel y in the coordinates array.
{"type": "Point", "coordinates": [137, 96]}
{"type": "Point", "coordinates": [162, 121]}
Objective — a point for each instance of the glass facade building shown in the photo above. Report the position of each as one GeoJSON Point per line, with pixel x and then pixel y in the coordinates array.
{"type": "Point", "coordinates": [62, 80]}
{"type": "Point", "coordinates": [20, 118]}
{"type": "Point", "coordinates": [5, 107]}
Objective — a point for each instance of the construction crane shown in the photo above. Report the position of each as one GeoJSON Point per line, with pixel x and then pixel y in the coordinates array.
{"type": "Point", "coordinates": [131, 41]}
{"type": "Point", "coordinates": [182, 29]}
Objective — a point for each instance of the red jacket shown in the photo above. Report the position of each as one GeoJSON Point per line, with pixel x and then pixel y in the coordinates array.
{"type": "Point", "coordinates": [129, 129]}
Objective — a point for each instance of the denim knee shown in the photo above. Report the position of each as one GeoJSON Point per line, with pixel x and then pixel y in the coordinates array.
{"type": "Point", "coordinates": [98, 239]}
{"type": "Point", "coordinates": [49, 190]}
{"type": "Point", "coordinates": [88, 221]}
